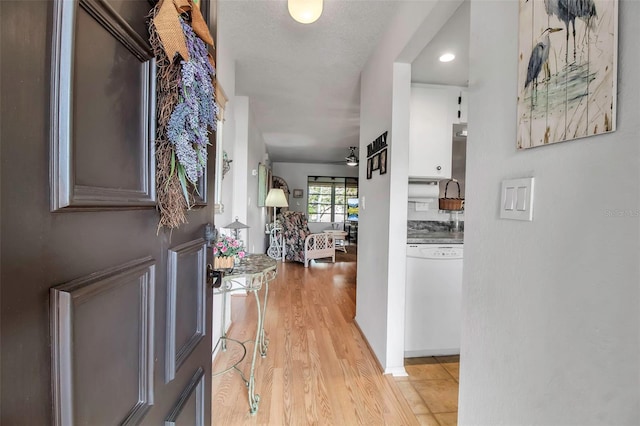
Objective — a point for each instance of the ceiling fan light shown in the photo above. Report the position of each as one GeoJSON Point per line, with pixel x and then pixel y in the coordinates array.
{"type": "Point", "coordinates": [305, 11]}
{"type": "Point", "coordinates": [352, 159]}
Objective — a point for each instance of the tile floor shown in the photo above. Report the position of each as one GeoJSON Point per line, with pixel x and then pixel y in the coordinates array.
{"type": "Point", "coordinates": [432, 389]}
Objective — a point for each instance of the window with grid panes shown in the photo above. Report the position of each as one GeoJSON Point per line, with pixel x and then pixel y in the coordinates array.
{"type": "Point", "coordinates": [327, 198]}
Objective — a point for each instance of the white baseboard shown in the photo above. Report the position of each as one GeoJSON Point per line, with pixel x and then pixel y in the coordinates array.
{"type": "Point", "coordinates": [396, 371]}
{"type": "Point", "coordinates": [432, 352]}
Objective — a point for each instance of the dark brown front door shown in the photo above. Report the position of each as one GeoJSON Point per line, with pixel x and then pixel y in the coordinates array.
{"type": "Point", "coordinates": [103, 318]}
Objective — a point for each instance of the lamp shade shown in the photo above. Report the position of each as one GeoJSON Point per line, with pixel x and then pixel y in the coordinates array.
{"type": "Point", "coordinates": [236, 225]}
{"type": "Point", "coordinates": [305, 11]}
{"type": "Point", "coordinates": [276, 198]}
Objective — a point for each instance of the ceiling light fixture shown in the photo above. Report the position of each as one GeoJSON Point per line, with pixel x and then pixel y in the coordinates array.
{"type": "Point", "coordinates": [305, 11]}
{"type": "Point", "coordinates": [352, 160]}
{"type": "Point", "coordinates": [447, 57]}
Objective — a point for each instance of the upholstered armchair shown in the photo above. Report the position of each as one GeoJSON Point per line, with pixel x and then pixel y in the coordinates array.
{"type": "Point", "coordinates": [300, 245]}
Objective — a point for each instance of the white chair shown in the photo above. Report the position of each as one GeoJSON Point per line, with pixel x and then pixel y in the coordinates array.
{"type": "Point", "coordinates": [317, 246]}
{"type": "Point", "coordinates": [300, 245]}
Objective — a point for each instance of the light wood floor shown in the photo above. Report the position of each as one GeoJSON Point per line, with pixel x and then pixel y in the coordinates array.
{"type": "Point", "coordinates": [318, 370]}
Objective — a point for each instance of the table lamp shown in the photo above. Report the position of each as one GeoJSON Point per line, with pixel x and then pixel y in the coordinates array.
{"type": "Point", "coordinates": [276, 198]}
{"type": "Point", "coordinates": [235, 227]}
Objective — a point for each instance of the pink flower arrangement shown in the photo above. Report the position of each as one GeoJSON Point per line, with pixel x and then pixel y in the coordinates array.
{"type": "Point", "coordinates": [228, 247]}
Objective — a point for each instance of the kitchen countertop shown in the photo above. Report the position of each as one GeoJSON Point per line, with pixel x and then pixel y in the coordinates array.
{"type": "Point", "coordinates": [431, 237]}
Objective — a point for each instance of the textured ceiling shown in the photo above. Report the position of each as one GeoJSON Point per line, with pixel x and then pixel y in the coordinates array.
{"type": "Point", "coordinates": [303, 81]}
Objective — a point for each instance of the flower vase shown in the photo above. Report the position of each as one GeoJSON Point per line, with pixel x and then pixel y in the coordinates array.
{"type": "Point", "coordinates": [223, 262]}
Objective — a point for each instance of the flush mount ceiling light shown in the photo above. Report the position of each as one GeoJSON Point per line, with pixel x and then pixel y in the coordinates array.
{"type": "Point", "coordinates": [447, 57]}
{"type": "Point", "coordinates": [305, 11]}
{"type": "Point", "coordinates": [352, 160]}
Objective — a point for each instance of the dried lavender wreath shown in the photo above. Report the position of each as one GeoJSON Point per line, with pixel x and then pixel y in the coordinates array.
{"type": "Point", "coordinates": [186, 109]}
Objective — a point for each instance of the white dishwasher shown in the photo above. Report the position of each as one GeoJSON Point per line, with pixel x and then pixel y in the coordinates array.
{"type": "Point", "coordinates": [432, 309]}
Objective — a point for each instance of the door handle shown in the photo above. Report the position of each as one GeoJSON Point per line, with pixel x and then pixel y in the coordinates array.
{"type": "Point", "coordinates": [214, 278]}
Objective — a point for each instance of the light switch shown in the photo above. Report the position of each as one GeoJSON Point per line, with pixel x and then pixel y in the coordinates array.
{"type": "Point", "coordinates": [509, 199]}
{"type": "Point", "coordinates": [517, 199]}
{"type": "Point", "coordinates": [521, 198]}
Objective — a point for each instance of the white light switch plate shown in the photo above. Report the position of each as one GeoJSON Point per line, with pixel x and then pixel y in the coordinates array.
{"type": "Point", "coordinates": [516, 201]}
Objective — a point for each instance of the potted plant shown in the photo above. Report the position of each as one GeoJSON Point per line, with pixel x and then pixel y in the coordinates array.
{"type": "Point", "coordinates": [226, 252]}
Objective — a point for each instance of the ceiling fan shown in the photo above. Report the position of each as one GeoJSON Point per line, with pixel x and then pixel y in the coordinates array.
{"type": "Point", "coordinates": [352, 159]}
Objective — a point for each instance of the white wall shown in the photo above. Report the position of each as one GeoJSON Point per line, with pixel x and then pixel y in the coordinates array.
{"type": "Point", "coordinates": [551, 313]}
{"type": "Point", "coordinates": [244, 144]}
{"type": "Point", "coordinates": [239, 199]}
{"type": "Point", "coordinates": [433, 214]}
{"type": "Point", "coordinates": [249, 150]}
{"type": "Point", "coordinates": [296, 175]}
{"type": "Point", "coordinates": [383, 216]}
{"type": "Point", "coordinates": [225, 74]}
{"type": "Point", "coordinates": [256, 216]}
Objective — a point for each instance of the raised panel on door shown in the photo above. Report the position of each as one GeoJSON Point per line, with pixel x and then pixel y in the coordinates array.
{"type": "Point", "coordinates": [102, 329]}
{"type": "Point", "coordinates": [189, 408]}
{"type": "Point", "coordinates": [186, 298]}
{"type": "Point", "coordinates": [103, 132]}
{"type": "Point", "coordinates": [103, 110]}
{"type": "Point", "coordinates": [97, 358]}
{"type": "Point", "coordinates": [131, 12]}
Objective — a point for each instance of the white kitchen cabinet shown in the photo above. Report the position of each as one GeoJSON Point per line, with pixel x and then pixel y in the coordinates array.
{"type": "Point", "coordinates": [433, 111]}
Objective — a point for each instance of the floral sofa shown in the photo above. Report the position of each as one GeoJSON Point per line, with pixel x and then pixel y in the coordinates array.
{"type": "Point", "coordinates": [300, 245]}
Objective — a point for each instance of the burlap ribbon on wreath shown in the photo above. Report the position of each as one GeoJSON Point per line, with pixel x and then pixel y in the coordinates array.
{"type": "Point", "coordinates": [170, 31]}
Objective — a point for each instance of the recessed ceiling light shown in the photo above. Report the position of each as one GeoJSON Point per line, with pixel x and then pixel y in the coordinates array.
{"type": "Point", "coordinates": [447, 57]}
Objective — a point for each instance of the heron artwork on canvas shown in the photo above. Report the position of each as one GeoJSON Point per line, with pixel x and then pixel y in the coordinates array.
{"type": "Point", "coordinates": [567, 69]}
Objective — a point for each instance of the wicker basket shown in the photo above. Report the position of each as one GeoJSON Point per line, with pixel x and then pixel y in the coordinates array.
{"type": "Point", "coordinates": [223, 262]}
{"type": "Point", "coordinates": [447, 203]}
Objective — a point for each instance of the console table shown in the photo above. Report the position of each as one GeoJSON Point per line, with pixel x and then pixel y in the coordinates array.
{"type": "Point", "coordinates": [257, 270]}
